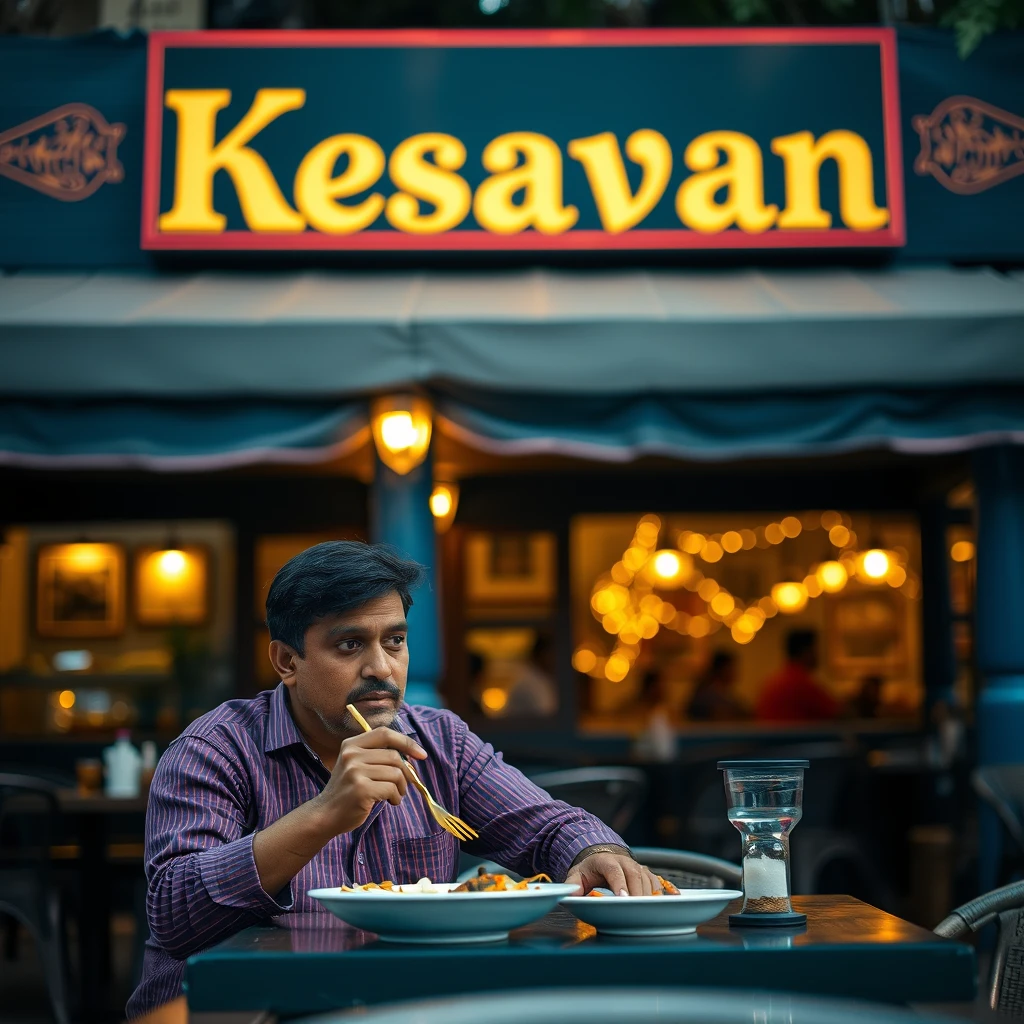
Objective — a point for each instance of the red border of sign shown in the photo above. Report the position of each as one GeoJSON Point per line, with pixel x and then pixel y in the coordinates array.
{"type": "Point", "coordinates": [893, 235]}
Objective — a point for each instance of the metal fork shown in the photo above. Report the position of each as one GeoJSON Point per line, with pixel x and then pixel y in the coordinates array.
{"type": "Point", "coordinates": [448, 821]}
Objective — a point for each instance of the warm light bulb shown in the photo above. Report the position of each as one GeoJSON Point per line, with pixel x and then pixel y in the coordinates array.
{"type": "Point", "coordinates": [66, 699]}
{"type": "Point", "coordinates": [832, 576]}
{"type": "Point", "coordinates": [962, 551]}
{"type": "Point", "coordinates": [494, 698]}
{"type": "Point", "coordinates": [397, 431]}
{"type": "Point", "coordinates": [876, 564]}
{"type": "Point", "coordinates": [667, 565]}
{"type": "Point", "coordinates": [584, 660]}
{"type": "Point", "coordinates": [441, 501]}
{"type": "Point", "coordinates": [790, 597]}
{"type": "Point", "coordinates": [171, 564]}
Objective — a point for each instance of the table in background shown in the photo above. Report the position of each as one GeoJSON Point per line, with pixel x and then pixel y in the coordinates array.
{"type": "Point", "coordinates": [313, 962]}
{"type": "Point", "coordinates": [92, 813]}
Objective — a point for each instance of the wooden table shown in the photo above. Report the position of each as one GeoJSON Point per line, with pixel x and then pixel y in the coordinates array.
{"type": "Point", "coordinates": [312, 962]}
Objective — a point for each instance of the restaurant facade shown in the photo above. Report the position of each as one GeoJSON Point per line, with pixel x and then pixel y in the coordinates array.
{"type": "Point", "coordinates": [652, 345]}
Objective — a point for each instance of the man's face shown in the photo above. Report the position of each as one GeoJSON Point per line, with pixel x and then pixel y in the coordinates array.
{"type": "Point", "coordinates": [359, 657]}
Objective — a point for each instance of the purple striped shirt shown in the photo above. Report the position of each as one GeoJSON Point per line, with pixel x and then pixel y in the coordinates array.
{"type": "Point", "coordinates": [244, 765]}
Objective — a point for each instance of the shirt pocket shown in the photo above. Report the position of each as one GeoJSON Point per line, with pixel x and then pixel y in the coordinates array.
{"type": "Point", "coordinates": [435, 857]}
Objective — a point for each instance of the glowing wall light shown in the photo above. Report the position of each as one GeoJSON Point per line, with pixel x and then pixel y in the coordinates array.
{"type": "Point", "coordinates": [444, 503]}
{"type": "Point", "coordinates": [171, 586]}
{"type": "Point", "coordinates": [401, 427]}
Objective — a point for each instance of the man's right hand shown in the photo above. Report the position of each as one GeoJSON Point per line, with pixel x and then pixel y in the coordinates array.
{"type": "Point", "coordinates": [368, 770]}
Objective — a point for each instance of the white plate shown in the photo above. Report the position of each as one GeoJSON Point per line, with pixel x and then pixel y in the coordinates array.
{"type": "Point", "coordinates": [651, 915]}
{"type": "Point", "coordinates": [444, 916]}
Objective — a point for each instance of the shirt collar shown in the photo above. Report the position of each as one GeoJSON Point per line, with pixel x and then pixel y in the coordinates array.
{"type": "Point", "coordinates": [283, 732]}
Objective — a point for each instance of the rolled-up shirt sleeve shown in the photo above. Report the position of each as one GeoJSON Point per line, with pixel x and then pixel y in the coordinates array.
{"type": "Point", "coordinates": [520, 825]}
{"type": "Point", "coordinates": [202, 880]}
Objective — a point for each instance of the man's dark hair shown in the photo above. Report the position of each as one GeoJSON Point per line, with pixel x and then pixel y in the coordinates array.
{"type": "Point", "coordinates": [335, 577]}
{"type": "Point", "coordinates": [799, 642]}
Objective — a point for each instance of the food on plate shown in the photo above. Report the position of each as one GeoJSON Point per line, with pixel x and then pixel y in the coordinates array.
{"type": "Point", "coordinates": [486, 882]}
{"type": "Point", "coordinates": [667, 889]}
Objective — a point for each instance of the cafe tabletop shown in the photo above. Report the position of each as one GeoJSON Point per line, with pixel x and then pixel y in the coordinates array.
{"type": "Point", "coordinates": [305, 963]}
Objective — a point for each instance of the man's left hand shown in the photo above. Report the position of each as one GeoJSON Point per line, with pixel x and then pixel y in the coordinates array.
{"type": "Point", "coordinates": [613, 870]}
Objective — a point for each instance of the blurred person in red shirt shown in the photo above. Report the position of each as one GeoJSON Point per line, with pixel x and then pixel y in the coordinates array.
{"type": "Point", "coordinates": [792, 694]}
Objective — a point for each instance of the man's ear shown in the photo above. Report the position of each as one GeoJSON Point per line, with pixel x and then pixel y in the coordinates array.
{"type": "Point", "coordinates": [284, 659]}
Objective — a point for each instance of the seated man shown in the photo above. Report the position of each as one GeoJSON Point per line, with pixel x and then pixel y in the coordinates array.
{"type": "Point", "coordinates": [793, 694]}
{"type": "Point", "coordinates": [261, 800]}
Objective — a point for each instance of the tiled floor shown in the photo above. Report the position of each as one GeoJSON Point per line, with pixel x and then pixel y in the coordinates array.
{"type": "Point", "coordinates": [23, 997]}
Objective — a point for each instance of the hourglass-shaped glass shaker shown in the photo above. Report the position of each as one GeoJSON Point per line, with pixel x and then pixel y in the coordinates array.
{"type": "Point", "coordinates": [765, 800]}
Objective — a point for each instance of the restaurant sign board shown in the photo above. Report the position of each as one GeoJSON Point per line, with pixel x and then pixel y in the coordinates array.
{"type": "Point", "coordinates": [523, 140]}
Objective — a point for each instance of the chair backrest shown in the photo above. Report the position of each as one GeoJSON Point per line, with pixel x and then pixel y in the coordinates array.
{"type": "Point", "coordinates": [632, 1006]}
{"type": "Point", "coordinates": [689, 870]}
{"type": "Point", "coordinates": [29, 818]}
{"type": "Point", "coordinates": [1004, 905]}
{"type": "Point", "coordinates": [1002, 787]}
{"type": "Point", "coordinates": [612, 794]}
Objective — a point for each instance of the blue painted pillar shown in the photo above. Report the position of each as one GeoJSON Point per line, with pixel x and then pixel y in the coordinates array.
{"type": "Point", "coordinates": [999, 636]}
{"type": "Point", "coordinates": [400, 515]}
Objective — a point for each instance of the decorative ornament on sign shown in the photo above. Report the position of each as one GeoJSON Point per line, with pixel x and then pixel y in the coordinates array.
{"type": "Point", "coordinates": [66, 154]}
{"type": "Point", "coordinates": [969, 146]}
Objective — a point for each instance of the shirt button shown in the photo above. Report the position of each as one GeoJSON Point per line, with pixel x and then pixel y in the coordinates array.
{"type": "Point", "coordinates": [360, 858]}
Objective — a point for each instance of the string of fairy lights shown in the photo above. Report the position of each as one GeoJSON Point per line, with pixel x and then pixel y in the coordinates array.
{"type": "Point", "coordinates": [627, 603]}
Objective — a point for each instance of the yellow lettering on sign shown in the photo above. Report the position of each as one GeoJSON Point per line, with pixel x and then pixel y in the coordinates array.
{"type": "Point", "coordinates": [741, 173]}
{"type": "Point", "coordinates": [803, 159]}
{"type": "Point", "coordinates": [539, 177]}
{"type": "Point", "coordinates": [617, 207]}
{"type": "Point", "coordinates": [317, 189]}
{"type": "Point", "coordinates": [419, 179]}
{"type": "Point", "coordinates": [198, 160]}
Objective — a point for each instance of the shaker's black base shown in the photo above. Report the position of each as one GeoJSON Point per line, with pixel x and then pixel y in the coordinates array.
{"type": "Point", "coordinates": [784, 920]}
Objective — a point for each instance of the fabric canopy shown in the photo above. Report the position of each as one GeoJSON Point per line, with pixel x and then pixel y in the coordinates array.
{"type": "Point", "coordinates": [333, 335]}
{"type": "Point", "coordinates": [215, 370]}
{"type": "Point", "coordinates": [175, 436]}
{"type": "Point", "coordinates": [732, 426]}
{"type": "Point", "coordinates": [207, 435]}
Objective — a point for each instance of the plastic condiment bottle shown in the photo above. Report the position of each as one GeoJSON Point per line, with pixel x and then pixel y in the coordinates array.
{"type": "Point", "coordinates": [124, 764]}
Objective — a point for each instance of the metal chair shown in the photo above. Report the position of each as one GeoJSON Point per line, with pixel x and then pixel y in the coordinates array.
{"type": "Point", "coordinates": [689, 870]}
{"type": "Point", "coordinates": [629, 1006]}
{"type": "Point", "coordinates": [1005, 907]}
{"type": "Point", "coordinates": [1001, 786]}
{"type": "Point", "coordinates": [30, 809]}
{"type": "Point", "coordinates": [612, 794]}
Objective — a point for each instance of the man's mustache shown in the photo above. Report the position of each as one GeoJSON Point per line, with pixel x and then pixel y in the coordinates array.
{"type": "Point", "coordinates": [368, 686]}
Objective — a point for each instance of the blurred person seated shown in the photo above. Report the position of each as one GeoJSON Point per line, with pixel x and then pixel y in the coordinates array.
{"type": "Point", "coordinates": [868, 702]}
{"type": "Point", "coordinates": [792, 694]}
{"type": "Point", "coordinates": [533, 693]}
{"type": "Point", "coordinates": [713, 699]}
{"type": "Point", "coordinates": [658, 740]}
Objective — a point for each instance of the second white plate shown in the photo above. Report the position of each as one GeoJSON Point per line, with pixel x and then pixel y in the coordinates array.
{"type": "Point", "coordinates": [651, 915]}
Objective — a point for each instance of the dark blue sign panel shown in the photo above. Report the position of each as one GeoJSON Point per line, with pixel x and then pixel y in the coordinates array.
{"type": "Point", "coordinates": [523, 140]}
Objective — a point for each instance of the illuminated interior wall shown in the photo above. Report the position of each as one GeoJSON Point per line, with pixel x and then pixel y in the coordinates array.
{"type": "Point", "coordinates": [598, 541]}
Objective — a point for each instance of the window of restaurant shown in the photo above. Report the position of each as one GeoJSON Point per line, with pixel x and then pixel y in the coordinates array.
{"type": "Point", "coordinates": [691, 613]}
{"type": "Point", "coordinates": [114, 624]}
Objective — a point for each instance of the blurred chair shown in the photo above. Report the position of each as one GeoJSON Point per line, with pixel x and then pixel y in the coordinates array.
{"type": "Point", "coordinates": [30, 810]}
{"type": "Point", "coordinates": [629, 1006]}
{"type": "Point", "coordinates": [614, 795]}
{"type": "Point", "coordinates": [688, 870]}
{"type": "Point", "coordinates": [1005, 907]}
{"type": "Point", "coordinates": [1001, 786]}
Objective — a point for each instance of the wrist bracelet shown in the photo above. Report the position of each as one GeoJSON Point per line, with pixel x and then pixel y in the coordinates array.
{"type": "Point", "coordinates": [583, 854]}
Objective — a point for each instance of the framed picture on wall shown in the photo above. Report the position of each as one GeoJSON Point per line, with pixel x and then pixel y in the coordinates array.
{"type": "Point", "coordinates": [80, 590]}
{"type": "Point", "coordinates": [510, 568]}
{"type": "Point", "coordinates": [867, 633]}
